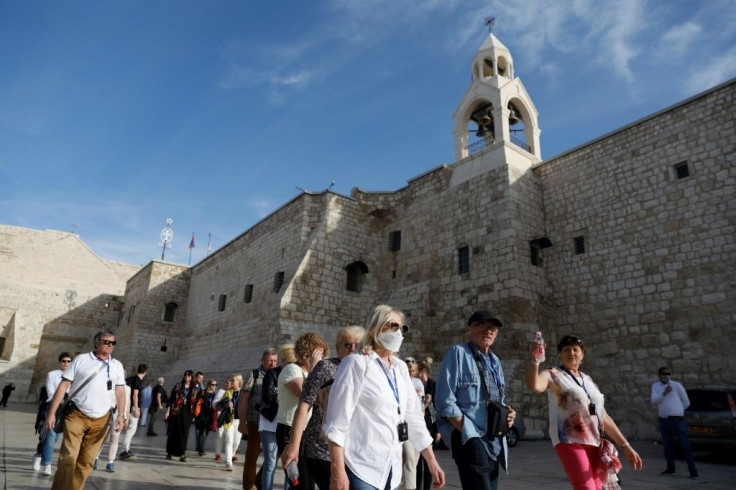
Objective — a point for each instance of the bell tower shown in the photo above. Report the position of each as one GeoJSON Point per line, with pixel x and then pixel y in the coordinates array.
{"type": "Point", "coordinates": [496, 113]}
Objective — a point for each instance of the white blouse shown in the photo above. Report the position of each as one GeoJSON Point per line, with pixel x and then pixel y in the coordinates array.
{"type": "Point", "coordinates": [362, 417]}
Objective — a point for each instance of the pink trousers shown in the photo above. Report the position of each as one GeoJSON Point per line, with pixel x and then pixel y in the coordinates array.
{"type": "Point", "coordinates": [580, 462]}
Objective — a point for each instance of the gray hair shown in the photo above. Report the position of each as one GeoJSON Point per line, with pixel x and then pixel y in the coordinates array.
{"type": "Point", "coordinates": [160, 381]}
{"type": "Point", "coordinates": [103, 333]}
{"type": "Point", "coordinates": [269, 352]}
{"type": "Point", "coordinates": [355, 331]}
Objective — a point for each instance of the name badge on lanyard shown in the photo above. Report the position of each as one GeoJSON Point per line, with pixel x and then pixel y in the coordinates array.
{"type": "Point", "coordinates": [403, 428]}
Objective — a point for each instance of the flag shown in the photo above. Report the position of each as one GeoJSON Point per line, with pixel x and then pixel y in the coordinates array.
{"type": "Point", "coordinates": [191, 244]}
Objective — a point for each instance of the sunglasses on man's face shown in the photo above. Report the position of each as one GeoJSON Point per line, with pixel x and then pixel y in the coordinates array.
{"type": "Point", "coordinates": [108, 342]}
{"type": "Point", "coordinates": [66, 361]}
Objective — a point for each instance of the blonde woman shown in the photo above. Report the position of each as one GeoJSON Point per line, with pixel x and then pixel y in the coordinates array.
{"type": "Point", "coordinates": [372, 409]}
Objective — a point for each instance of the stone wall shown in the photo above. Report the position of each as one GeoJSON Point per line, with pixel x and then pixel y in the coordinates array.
{"type": "Point", "coordinates": [55, 294]}
{"type": "Point", "coordinates": [655, 285]}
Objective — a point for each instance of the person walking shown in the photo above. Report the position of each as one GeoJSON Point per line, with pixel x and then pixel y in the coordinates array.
{"type": "Point", "coordinates": [249, 417]}
{"type": "Point", "coordinates": [578, 419]}
{"type": "Point", "coordinates": [136, 386]}
{"type": "Point", "coordinates": [182, 402]}
{"type": "Point", "coordinates": [372, 408]}
{"type": "Point", "coordinates": [89, 379]}
{"type": "Point", "coordinates": [7, 389]}
{"type": "Point", "coordinates": [113, 436]}
{"type": "Point", "coordinates": [469, 380]}
{"type": "Point", "coordinates": [671, 400]}
{"type": "Point", "coordinates": [158, 398]}
{"type": "Point", "coordinates": [47, 438]}
{"type": "Point", "coordinates": [203, 421]}
{"type": "Point", "coordinates": [228, 407]}
{"type": "Point", "coordinates": [146, 400]}
{"type": "Point", "coordinates": [313, 445]}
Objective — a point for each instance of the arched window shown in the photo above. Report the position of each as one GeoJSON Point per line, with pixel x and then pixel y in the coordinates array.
{"type": "Point", "coordinates": [170, 312]}
{"type": "Point", "coordinates": [356, 272]}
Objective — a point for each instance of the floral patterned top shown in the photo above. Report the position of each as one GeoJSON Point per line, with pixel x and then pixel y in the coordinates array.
{"type": "Point", "coordinates": [182, 396]}
{"type": "Point", "coordinates": [315, 444]}
{"type": "Point", "coordinates": [570, 399]}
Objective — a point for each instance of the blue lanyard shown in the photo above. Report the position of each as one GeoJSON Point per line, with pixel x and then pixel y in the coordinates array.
{"type": "Point", "coordinates": [394, 386]}
{"type": "Point", "coordinates": [491, 365]}
{"type": "Point", "coordinates": [107, 363]}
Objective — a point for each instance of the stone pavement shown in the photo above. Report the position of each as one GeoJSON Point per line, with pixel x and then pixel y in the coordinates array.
{"type": "Point", "coordinates": [533, 465]}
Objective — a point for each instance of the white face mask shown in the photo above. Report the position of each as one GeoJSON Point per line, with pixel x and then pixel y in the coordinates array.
{"type": "Point", "coordinates": [391, 340]}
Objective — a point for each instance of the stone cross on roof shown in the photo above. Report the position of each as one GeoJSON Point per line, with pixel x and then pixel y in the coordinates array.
{"type": "Point", "coordinates": [489, 22]}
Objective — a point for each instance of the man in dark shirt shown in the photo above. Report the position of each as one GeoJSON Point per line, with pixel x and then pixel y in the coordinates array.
{"type": "Point", "coordinates": [158, 398]}
{"type": "Point", "coordinates": [136, 386]}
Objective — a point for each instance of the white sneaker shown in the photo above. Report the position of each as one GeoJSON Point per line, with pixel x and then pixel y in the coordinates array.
{"type": "Point", "coordinates": [47, 469]}
{"type": "Point", "coordinates": [37, 463]}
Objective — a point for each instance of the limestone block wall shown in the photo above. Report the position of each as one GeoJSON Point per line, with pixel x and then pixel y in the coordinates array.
{"type": "Point", "coordinates": [55, 293]}
{"type": "Point", "coordinates": [143, 329]}
{"type": "Point", "coordinates": [655, 285]}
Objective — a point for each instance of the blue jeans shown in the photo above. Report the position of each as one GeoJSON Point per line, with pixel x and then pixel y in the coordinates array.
{"type": "Point", "coordinates": [270, 455]}
{"type": "Point", "coordinates": [47, 451]}
{"type": "Point", "coordinates": [358, 484]}
{"type": "Point", "coordinates": [675, 426]}
{"type": "Point", "coordinates": [475, 467]}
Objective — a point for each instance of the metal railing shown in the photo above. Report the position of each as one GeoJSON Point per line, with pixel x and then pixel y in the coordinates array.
{"type": "Point", "coordinates": [520, 144]}
{"type": "Point", "coordinates": [480, 145]}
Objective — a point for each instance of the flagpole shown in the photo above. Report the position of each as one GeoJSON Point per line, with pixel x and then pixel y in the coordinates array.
{"type": "Point", "coordinates": [191, 246]}
{"type": "Point", "coordinates": [209, 244]}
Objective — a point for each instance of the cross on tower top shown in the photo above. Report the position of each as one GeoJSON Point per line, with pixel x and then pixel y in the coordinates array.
{"type": "Point", "coordinates": [489, 22]}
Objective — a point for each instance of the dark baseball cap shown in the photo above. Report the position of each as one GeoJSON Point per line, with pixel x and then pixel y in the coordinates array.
{"type": "Point", "coordinates": [484, 316]}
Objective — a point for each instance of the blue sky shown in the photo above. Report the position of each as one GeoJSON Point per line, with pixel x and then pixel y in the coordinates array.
{"type": "Point", "coordinates": [115, 116]}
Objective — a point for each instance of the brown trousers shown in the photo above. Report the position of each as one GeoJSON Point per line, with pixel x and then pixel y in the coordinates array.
{"type": "Point", "coordinates": [252, 451]}
{"type": "Point", "coordinates": [83, 437]}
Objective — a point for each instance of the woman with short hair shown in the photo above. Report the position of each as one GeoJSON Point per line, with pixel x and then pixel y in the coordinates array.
{"type": "Point", "coordinates": [578, 419]}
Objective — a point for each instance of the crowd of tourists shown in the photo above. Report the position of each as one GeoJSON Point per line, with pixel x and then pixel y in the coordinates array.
{"type": "Point", "coordinates": [361, 419]}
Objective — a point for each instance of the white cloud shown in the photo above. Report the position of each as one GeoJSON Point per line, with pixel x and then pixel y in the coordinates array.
{"type": "Point", "coordinates": [674, 43]}
{"type": "Point", "coordinates": [298, 79]}
{"type": "Point", "coordinates": [713, 72]}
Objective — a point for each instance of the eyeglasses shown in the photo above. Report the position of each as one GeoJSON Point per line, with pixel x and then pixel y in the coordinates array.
{"type": "Point", "coordinates": [108, 342]}
{"type": "Point", "coordinates": [485, 326]}
{"type": "Point", "coordinates": [213, 384]}
{"type": "Point", "coordinates": [66, 361]}
{"type": "Point", "coordinates": [348, 345]}
{"type": "Point", "coordinates": [397, 326]}
{"type": "Point", "coordinates": [666, 374]}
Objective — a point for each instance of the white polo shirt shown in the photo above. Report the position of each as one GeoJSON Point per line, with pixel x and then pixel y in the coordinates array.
{"type": "Point", "coordinates": [94, 399]}
{"type": "Point", "coordinates": [53, 378]}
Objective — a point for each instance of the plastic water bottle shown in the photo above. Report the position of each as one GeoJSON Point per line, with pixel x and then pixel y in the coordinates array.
{"type": "Point", "coordinates": [292, 473]}
{"type": "Point", "coordinates": [539, 356]}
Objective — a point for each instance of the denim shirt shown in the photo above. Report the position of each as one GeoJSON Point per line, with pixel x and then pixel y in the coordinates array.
{"type": "Point", "coordinates": [459, 392]}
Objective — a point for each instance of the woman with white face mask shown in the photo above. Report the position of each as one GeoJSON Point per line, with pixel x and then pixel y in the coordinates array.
{"type": "Point", "coordinates": [372, 409]}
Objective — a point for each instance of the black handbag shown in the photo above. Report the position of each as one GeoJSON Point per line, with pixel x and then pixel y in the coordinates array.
{"type": "Point", "coordinates": [498, 424]}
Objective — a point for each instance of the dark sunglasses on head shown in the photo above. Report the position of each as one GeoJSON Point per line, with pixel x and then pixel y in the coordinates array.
{"type": "Point", "coordinates": [409, 360]}
{"type": "Point", "coordinates": [397, 326]}
{"type": "Point", "coordinates": [108, 342]}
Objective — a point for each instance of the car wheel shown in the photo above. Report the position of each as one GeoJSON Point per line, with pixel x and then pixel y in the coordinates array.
{"type": "Point", "coordinates": [512, 437]}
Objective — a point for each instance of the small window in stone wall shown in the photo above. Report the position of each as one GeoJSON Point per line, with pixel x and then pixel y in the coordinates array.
{"type": "Point", "coordinates": [682, 171]}
{"type": "Point", "coordinates": [536, 253]}
{"type": "Point", "coordinates": [222, 302]}
{"type": "Point", "coordinates": [356, 272]}
{"type": "Point", "coordinates": [248, 293]}
{"type": "Point", "coordinates": [579, 243]}
{"type": "Point", "coordinates": [131, 311]}
{"type": "Point", "coordinates": [170, 312]}
{"type": "Point", "coordinates": [463, 259]}
{"type": "Point", "coordinates": [278, 281]}
{"type": "Point", "coordinates": [394, 241]}
{"type": "Point", "coordinates": [2, 346]}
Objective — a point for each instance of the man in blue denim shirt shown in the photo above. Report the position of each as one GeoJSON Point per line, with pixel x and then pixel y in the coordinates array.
{"type": "Point", "coordinates": [461, 404]}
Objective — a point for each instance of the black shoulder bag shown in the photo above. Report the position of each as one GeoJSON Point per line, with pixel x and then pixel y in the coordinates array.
{"type": "Point", "coordinates": [498, 425]}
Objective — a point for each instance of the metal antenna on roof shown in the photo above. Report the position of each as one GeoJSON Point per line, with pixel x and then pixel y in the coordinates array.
{"type": "Point", "coordinates": [332, 184]}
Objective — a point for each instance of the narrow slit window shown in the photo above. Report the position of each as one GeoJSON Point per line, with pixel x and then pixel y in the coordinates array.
{"type": "Point", "coordinates": [579, 242]}
{"type": "Point", "coordinates": [248, 293]}
{"type": "Point", "coordinates": [278, 281]}
{"type": "Point", "coordinates": [394, 241]}
{"type": "Point", "coordinates": [463, 258]}
{"type": "Point", "coordinates": [222, 302]}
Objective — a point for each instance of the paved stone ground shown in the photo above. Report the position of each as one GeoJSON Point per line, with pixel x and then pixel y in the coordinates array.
{"type": "Point", "coordinates": [533, 465]}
